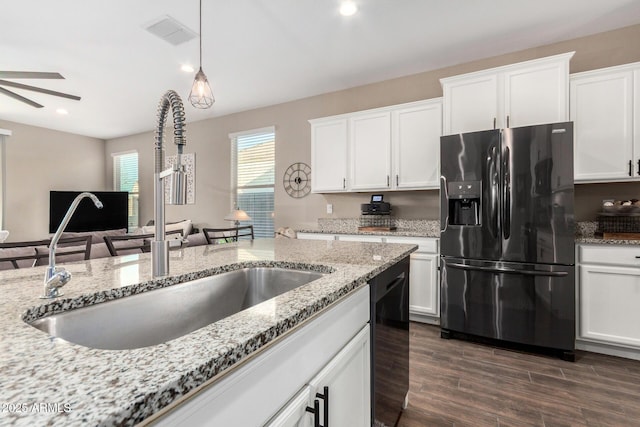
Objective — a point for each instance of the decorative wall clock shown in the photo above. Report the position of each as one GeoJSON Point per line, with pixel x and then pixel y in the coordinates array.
{"type": "Point", "coordinates": [297, 180]}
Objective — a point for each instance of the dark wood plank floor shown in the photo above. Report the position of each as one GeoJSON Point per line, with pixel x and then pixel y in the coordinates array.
{"type": "Point", "coordinates": [459, 383]}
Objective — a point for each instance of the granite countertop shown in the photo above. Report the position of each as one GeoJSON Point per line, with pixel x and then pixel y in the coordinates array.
{"type": "Point", "coordinates": [49, 381]}
{"type": "Point", "coordinates": [585, 234]}
{"type": "Point", "coordinates": [599, 241]}
{"type": "Point", "coordinates": [410, 228]}
{"type": "Point", "coordinates": [585, 230]}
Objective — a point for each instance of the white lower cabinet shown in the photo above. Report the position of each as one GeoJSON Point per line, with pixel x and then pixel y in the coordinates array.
{"type": "Point", "coordinates": [424, 286]}
{"type": "Point", "coordinates": [340, 392]}
{"type": "Point", "coordinates": [295, 413]}
{"type": "Point", "coordinates": [424, 278]}
{"type": "Point", "coordinates": [277, 385]}
{"type": "Point", "coordinates": [608, 300]}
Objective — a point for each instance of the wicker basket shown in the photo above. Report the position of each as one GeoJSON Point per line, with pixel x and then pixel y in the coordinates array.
{"type": "Point", "coordinates": [381, 222]}
{"type": "Point", "coordinates": [616, 223]}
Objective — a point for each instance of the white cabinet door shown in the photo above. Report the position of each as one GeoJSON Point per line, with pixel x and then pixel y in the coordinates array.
{"type": "Point", "coordinates": [470, 104]}
{"type": "Point", "coordinates": [294, 414]}
{"type": "Point", "coordinates": [536, 94]}
{"type": "Point", "coordinates": [329, 156]}
{"type": "Point", "coordinates": [416, 146]}
{"type": "Point", "coordinates": [347, 379]}
{"type": "Point", "coordinates": [370, 139]}
{"type": "Point", "coordinates": [609, 302]}
{"type": "Point", "coordinates": [528, 93]}
{"type": "Point", "coordinates": [602, 112]}
{"type": "Point", "coordinates": [423, 284]}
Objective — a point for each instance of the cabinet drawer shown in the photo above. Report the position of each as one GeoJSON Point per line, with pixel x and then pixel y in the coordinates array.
{"type": "Point", "coordinates": [316, 236]}
{"type": "Point", "coordinates": [359, 238]}
{"type": "Point", "coordinates": [425, 244]}
{"type": "Point", "coordinates": [609, 254]}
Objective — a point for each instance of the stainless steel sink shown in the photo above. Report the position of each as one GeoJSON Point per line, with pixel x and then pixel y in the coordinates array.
{"type": "Point", "coordinates": [157, 316]}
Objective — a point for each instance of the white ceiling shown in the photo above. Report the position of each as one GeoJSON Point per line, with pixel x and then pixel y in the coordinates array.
{"type": "Point", "coordinates": [259, 52]}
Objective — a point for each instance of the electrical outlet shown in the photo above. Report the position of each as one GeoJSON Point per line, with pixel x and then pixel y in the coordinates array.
{"type": "Point", "coordinates": [329, 208]}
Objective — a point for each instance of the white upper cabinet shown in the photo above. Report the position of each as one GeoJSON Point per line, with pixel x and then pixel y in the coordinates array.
{"type": "Point", "coordinates": [537, 94]}
{"type": "Point", "coordinates": [370, 141]}
{"type": "Point", "coordinates": [603, 112]}
{"type": "Point", "coordinates": [522, 94]}
{"type": "Point", "coordinates": [416, 135]}
{"type": "Point", "coordinates": [390, 148]}
{"type": "Point", "coordinates": [470, 103]}
{"type": "Point", "coordinates": [329, 155]}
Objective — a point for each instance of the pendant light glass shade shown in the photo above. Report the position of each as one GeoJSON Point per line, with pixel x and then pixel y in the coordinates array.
{"type": "Point", "coordinates": [201, 95]}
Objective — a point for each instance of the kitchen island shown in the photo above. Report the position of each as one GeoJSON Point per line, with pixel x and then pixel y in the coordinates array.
{"type": "Point", "coordinates": [49, 381]}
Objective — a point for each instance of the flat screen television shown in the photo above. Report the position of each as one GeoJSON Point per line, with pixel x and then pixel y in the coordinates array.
{"type": "Point", "coordinates": [87, 217]}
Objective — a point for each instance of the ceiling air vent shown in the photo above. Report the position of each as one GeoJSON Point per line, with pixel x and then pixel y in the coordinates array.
{"type": "Point", "coordinates": [170, 30]}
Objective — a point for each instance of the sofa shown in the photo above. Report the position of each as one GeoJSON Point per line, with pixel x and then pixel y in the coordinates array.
{"type": "Point", "coordinates": [98, 246]}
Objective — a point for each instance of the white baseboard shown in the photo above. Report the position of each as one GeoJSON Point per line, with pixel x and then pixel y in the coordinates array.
{"type": "Point", "coordinates": [424, 318]}
{"type": "Point", "coordinates": [608, 349]}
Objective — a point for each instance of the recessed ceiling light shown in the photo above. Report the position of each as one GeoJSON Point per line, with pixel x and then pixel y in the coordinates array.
{"type": "Point", "coordinates": [348, 8]}
{"type": "Point", "coordinates": [187, 68]}
{"type": "Point", "coordinates": [62, 111]}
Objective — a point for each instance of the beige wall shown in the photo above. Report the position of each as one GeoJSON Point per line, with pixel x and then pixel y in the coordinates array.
{"type": "Point", "coordinates": [209, 139]}
{"type": "Point", "coordinates": [39, 160]}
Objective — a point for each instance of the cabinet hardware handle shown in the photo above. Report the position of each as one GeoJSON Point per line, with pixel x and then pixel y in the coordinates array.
{"type": "Point", "coordinates": [494, 122]}
{"type": "Point", "coordinates": [630, 168]}
{"type": "Point", "coordinates": [387, 180]}
{"type": "Point", "coordinates": [344, 183]}
{"type": "Point", "coordinates": [325, 396]}
{"type": "Point", "coordinates": [398, 181]}
{"type": "Point", "coordinates": [316, 412]}
{"type": "Point", "coordinates": [637, 256]}
{"type": "Point", "coordinates": [638, 166]}
{"type": "Point", "coordinates": [507, 121]}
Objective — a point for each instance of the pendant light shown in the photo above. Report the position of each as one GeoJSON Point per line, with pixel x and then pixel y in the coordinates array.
{"type": "Point", "coordinates": [201, 95]}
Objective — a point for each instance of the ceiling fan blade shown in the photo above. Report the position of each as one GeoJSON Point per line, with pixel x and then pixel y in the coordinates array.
{"type": "Point", "coordinates": [38, 89]}
{"type": "Point", "coordinates": [29, 75]}
{"type": "Point", "coordinates": [20, 98]}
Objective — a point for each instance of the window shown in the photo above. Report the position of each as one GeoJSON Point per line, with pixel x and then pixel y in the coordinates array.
{"type": "Point", "coordinates": [253, 177]}
{"type": "Point", "coordinates": [125, 178]}
{"type": "Point", "coordinates": [3, 135]}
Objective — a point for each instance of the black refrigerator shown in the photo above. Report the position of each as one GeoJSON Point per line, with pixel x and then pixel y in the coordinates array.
{"type": "Point", "coordinates": [507, 235]}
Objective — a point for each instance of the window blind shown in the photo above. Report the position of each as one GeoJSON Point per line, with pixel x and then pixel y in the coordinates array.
{"type": "Point", "coordinates": [253, 169]}
{"type": "Point", "coordinates": [125, 178]}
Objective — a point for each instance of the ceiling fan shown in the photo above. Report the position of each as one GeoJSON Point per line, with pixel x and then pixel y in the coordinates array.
{"type": "Point", "coordinates": [30, 75]}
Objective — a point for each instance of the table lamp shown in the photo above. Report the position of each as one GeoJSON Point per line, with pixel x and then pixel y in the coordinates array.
{"type": "Point", "coordinates": [237, 215]}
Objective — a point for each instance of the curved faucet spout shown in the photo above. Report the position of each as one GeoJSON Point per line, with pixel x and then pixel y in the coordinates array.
{"type": "Point", "coordinates": [56, 278]}
{"type": "Point", "coordinates": [159, 245]}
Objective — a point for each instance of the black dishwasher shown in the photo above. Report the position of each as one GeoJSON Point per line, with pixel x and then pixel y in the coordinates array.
{"type": "Point", "coordinates": [389, 344]}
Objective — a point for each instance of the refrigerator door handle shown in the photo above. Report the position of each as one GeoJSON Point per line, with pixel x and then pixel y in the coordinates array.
{"type": "Point", "coordinates": [493, 191]}
{"type": "Point", "coordinates": [506, 195]}
{"type": "Point", "coordinates": [508, 270]}
{"type": "Point", "coordinates": [444, 203]}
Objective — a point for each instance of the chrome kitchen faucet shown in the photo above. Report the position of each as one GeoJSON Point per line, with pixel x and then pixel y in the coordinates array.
{"type": "Point", "coordinates": [57, 277]}
{"type": "Point", "coordinates": [176, 175]}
